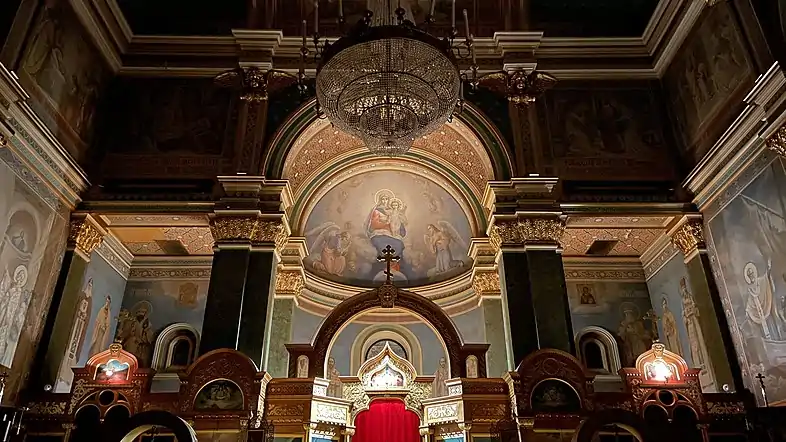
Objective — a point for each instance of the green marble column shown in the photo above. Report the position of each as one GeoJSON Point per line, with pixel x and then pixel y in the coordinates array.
{"type": "Point", "coordinates": [249, 226]}
{"type": "Point", "coordinates": [280, 335]}
{"type": "Point", "coordinates": [689, 238]}
{"type": "Point", "coordinates": [54, 355]}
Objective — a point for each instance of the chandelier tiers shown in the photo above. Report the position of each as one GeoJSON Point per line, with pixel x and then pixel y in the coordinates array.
{"type": "Point", "coordinates": [390, 83]}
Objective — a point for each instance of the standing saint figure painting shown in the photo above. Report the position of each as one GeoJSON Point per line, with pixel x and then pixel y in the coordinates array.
{"type": "Point", "coordinates": [424, 223]}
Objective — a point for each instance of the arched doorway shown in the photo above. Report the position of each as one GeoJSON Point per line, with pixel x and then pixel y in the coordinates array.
{"type": "Point", "coordinates": [141, 423]}
{"type": "Point", "coordinates": [387, 420]}
{"type": "Point", "coordinates": [602, 420]}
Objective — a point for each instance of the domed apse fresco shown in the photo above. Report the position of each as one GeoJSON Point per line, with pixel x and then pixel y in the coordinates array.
{"type": "Point", "coordinates": [351, 224]}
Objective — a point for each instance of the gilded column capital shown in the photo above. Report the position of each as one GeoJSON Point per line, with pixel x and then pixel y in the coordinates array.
{"type": "Point", "coordinates": [251, 229]}
{"type": "Point", "coordinates": [486, 283]}
{"type": "Point", "coordinates": [84, 235]}
{"type": "Point", "coordinates": [289, 282]}
{"type": "Point", "coordinates": [777, 141]}
{"type": "Point", "coordinates": [689, 237]}
{"type": "Point", "coordinates": [526, 230]}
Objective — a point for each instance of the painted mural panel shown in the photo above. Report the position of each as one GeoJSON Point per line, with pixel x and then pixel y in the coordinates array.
{"type": "Point", "coordinates": [749, 239]}
{"type": "Point", "coordinates": [606, 132]}
{"type": "Point", "coordinates": [95, 318]}
{"type": "Point", "coordinates": [617, 306]}
{"type": "Point", "coordinates": [34, 229]}
{"type": "Point", "coordinates": [711, 70]}
{"type": "Point", "coordinates": [149, 306]}
{"type": "Point", "coordinates": [65, 73]}
{"type": "Point", "coordinates": [355, 220]}
{"type": "Point", "coordinates": [678, 327]}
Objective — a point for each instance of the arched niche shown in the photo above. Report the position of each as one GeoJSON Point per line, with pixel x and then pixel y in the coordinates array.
{"type": "Point", "coordinates": [166, 349]}
{"type": "Point", "coordinates": [496, 149]}
{"type": "Point", "coordinates": [387, 296]}
{"type": "Point", "coordinates": [379, 332]}
{"type": "Point", "coordinates": [608, 350]}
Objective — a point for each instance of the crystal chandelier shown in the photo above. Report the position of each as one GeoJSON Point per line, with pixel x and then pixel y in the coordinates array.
{"type": "Point", "coordinates": [388, 81]}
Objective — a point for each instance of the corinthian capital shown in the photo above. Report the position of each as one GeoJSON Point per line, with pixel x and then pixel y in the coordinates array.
{"type": "Point", "coordinates": [777, 141]}
{"type": "Point", "coordinates": [689, 237]}
{"type": "Point", "coordinates": [289, 282]}
{"type": "Point", "coordinates": [84, 235]}
{"type": "Point", "coordinates": [527, 230]}
{"type": "Point", "coordinates": [252, 229]}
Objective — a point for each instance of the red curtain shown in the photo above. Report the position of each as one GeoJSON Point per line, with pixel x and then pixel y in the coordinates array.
{"type": "Point", "coordinates": [387, 420]}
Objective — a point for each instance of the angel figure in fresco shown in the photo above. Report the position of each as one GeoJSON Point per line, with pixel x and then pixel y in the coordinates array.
{"type": "Point", "coordinates": [331, 249]}
{"type": "Point", "coordinates": [439, 238]}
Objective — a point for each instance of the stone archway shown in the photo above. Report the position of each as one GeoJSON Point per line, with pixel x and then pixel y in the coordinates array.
{"type": "Point", "coordinates": [143, 422]}
{"type": "Point", "coordinates": [387, 296]}
{"type": "Point", "coordinates": [626, 420]}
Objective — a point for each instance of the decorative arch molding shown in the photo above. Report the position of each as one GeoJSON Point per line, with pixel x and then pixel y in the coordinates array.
{"type": "Point", "coordinates": [608, 344]}
{"type": "Point", "coordinates": [490, 137]}
{"type": "Point", "coordinates": [371, 334]}
{"type": "Point", "coordinates": [145, 421]}
{"type": "Point", "coordinates": [624, 419]}
{"type": "Point", "coordinates": [317, 351]}
{"type": "Point", "coordinates": [166, 339]}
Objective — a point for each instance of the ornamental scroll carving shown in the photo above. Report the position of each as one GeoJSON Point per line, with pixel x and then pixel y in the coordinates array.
{"type": "Point", "coordinates": [84, 236]}
{"type": "Point", "coordinates": [355, 393]}
{"type": "Point", "coordinates": [689, 237]}
{"type": "Point", "coordinates": [289, 282]}
{"type": "Point", "coordinates": [419, 392]}
{"type": "Point", "coordinates": [486, 283]}
{"type": "Point", "coordinates": [527, 230]}
{"type": "Point", "coordinates": [248, 229]}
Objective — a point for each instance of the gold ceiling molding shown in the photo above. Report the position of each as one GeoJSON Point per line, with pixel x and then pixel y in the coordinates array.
{"type": "Point", "coordinates": [618, 222]}
{"type": "Point", "coordinates": [152, 220]}
{"type": "Point", "coordinates": [631, 241]}
{"type": "Point", "coordinates": [320, 146]}
{"type": "Point", "coordinates": [777, 141]}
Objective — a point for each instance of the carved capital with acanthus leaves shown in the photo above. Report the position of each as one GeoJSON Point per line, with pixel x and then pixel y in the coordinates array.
{"type": "Point", "coordinates": [689, 237]}
{"type": "Point", "coordinates": [289, 282]}
{"type": "Point", "coordinates": [249, 229]}
{"type": "Point", "coordinates": [530, 230]}
{"type": "Point", "coordinates": [84, 235]}
{"type": "Point", "coordinates": [777, 141]}
{"type": "Point", "coordinates": [486, 283]}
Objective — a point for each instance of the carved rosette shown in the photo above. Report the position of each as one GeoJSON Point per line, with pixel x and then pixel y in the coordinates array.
{"type": "Point", "coordinates": [83, 236]}
{"type": "Point", "coordinates": [289, 282]}
{"type": "Point", "coordinates": [689, 237]}
{"type": "Point", "coordinates": [486, 283]}
{"type": "Point", "coordinates": [777, 141]}
{"type": "Point", "coordinates": [527, 231]}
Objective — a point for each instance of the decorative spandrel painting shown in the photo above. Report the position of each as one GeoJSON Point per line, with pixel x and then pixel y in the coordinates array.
{"type": "Point", "coordinates": [749, 238]}
{"type": "Point", "coordinates": [348, 228]}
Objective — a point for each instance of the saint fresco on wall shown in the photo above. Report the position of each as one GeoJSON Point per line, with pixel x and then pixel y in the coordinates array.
{"type": "Point", "coordinates": [616, 306]}
{"type": "Point", "coordinates": [596, 132]}
{"type": "Point", "coordinates": [749, 237]}
{"type": "Point", "coordinates": [65, 74]}
{"type": "Point", "coordinates": [26, 223]}
{"type": "Point", "coordinates": [93, 322]}
{"type": "Point", "coordinates": [151, 305]}
{"type": "Point", "coordinates": [678, 328]}
{"type": "Point", "coordinates": [355, 220]}
{"type": "Point", "coordinates": [709, 69]}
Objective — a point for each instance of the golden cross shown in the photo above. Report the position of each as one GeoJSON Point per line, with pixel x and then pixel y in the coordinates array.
{"type": "Point", "coordinates": [653, 318]}
{"type": "Point", "coordinates": [388, 256]}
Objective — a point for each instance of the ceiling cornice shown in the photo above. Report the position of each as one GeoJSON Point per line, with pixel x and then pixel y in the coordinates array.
{"type": "Point", "coordinates": [644, 57]}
